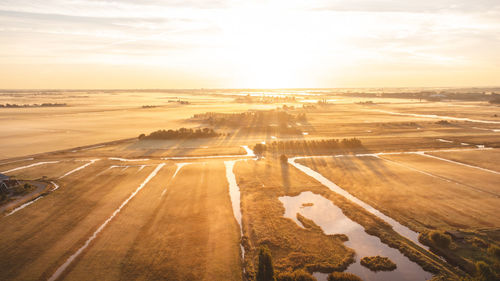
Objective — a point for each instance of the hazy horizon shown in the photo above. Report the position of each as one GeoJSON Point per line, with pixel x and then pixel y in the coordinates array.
{"type": "Point", "coordinates": [494, 87]}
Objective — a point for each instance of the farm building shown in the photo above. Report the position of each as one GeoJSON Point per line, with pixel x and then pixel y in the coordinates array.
{"type": "Point", "coordinates": [6, 183]}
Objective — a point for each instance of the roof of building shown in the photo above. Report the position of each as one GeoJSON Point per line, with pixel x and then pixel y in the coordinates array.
{"type": "Point", "coordinates": [10, 183]}
{"type": "Point", "coordinates": [4, 177]}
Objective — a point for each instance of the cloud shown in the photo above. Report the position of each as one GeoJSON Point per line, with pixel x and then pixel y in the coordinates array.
{"type": "Point", "coordinates": [235, 35]}
{"type": "Point", "coordinates": [422, 6]}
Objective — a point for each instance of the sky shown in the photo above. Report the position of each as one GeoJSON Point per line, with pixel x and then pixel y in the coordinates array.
{"type": "Point", "coordinates": [89, 44]}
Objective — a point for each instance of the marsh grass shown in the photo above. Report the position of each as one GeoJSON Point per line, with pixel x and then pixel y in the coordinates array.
{"type": "Point", "coordinates": [343, 276]}
{"type": "Point", "coordinates": [297, 275]}
{"type": "Point", "coordinates": [378, 263]}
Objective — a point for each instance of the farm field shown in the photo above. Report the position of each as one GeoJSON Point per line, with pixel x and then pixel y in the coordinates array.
{"type": "Point", "coordinates": [120, 207]}
{"type": "Point", "coordinates": [426, 193]}
{"type": "Point", "coordinates": [71, 213]}
{"type": "Point", "coordinates": [487, 160]}
{"type": "Point", "coordinates": [88, 115]}
{"type": "Point", "coordinates": [420, 196]}
{"type": "Point", "coordinates": [221, 140]}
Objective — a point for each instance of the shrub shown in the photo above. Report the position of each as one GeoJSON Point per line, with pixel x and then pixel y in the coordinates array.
{"type": "Point", "coordinates": [443, 122]}
{"type": "Point", "coordinates": [378, 263]}
{"type": "Point", "coordinates": [440, 239]}
{"type": "Point", "coordinates": [259, 148]}
{"type": "Point", "coordinates": [283, 159]}
{"type": "Point", "coordinates": [265, 270]}
{"type": "Point", "coordinates": [343, 276]}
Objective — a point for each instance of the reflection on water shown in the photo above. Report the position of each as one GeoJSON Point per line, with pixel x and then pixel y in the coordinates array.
{"type": "Point", "coordinates": [234, 194]}
{"type": "Point", "coordinates": [331, 219]}
{"type": "Point", "coordinates": [399, 228]}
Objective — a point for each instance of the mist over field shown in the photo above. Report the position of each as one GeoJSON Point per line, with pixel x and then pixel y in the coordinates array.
{"type": "Point", "coordinates": [250, 141]}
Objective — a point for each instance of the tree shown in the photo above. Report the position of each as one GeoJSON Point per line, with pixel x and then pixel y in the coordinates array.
{"type": "Point", "coordinates": [259, 148]}
{"type": "Point", "coordinates": [265, 271]}
{"type": "Point", "coordinates": [441, 239]}
{"type": "Point", "coordinates": [283, 158]}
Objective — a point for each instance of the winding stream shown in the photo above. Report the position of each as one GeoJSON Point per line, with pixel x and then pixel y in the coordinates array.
{"type": "Point", "coordinates": [234, 194]}
{"type": "Point", "coordinates": [399, 228]}
{"type": "Point", "coordinates": [332, 221]}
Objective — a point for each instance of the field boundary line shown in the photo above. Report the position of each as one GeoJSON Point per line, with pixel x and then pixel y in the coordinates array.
{"type": "Point", "coordinates": [79, 168]}
{"type": "Point", "coordinates": [460, 163]}
{"type": "Point", "coordinates": [65, 265]}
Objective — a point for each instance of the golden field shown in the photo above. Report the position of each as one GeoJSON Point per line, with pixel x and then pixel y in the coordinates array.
{"type": "Point", "coordinates": [123, 208]}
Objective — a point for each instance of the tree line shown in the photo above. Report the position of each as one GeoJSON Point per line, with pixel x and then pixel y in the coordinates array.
{"type": "Point", "coordinates": [310, 145]}
{"type": "Point", "coordinates": [251, 118]}
{"type": "Point", "coordinates": [182, 133]}
{"type": "Point", "coordinates": [47, 104]}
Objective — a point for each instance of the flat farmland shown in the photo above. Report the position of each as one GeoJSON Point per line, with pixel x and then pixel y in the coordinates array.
{"type": "Point", "coordinates": [485, 159]}
{"type": "Point", "coordinates": [464, 176]}
{"type": "Point", "coordinates": [50, 168]}
{"type": "Point", "coordinates": [96, 117]}
{"type": "Point", "coordinates": [416, 199]}
{"type": "Point", "coordinates": [35, 240]}
{"type": "Point", "coordinates": [112, 206]}
{"type": "Point", "coordinates": [175, 229]}
{"type": "Point", "coordinates": [180, 228]}
{"type": "Point", "coordinates": [479, 111]}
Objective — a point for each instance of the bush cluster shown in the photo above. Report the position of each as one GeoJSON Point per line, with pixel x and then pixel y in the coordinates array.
{"type": "Point", "coordinates": [378, 263]}
{"type": "Point", "coordinates": [443, 122]}
{"type": "Point", "coordinates": [440, 239]}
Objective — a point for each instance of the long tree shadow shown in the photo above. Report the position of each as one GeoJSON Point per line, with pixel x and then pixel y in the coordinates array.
{"type": "Point", "coordinates": [285, 175]}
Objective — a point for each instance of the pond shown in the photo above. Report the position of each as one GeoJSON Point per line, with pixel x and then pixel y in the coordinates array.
{"type": "Point", "coordinates": [332, 221]}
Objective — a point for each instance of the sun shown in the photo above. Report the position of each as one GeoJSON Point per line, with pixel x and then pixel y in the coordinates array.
{"type": "Point", "coordinates": [267, 52]}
